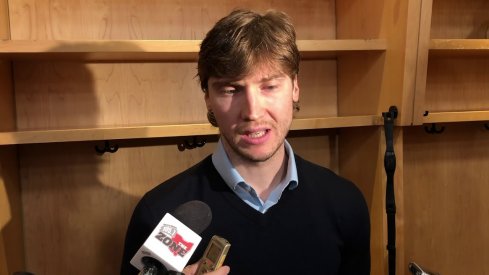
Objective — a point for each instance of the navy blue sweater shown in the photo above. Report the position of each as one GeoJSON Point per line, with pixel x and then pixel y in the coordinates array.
{"type": "Point", "coordinates": [320, 227]}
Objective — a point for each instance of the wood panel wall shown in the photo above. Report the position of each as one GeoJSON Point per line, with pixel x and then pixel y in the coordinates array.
{"type": "Point", "coordinates": [57, 95]}
{"type": "Point", "coordinates": [376, 89]}
{"type": "Point", "coordinates": [445, 197]}
{"type": "Point", "coordinates": [456, 19]}
{"type": "Point", "coordinates": [64, 190]}
{"type": "Point", "coordinates": [457, 84]}
{"type": "Point", "coordinates": [77, 203]}
{"type": "Point", "coordinates": [153, 19]}
{"type": "Point", "coordinates": [11, 259]}
{"type": "Point", "coordinates": [68, 190]}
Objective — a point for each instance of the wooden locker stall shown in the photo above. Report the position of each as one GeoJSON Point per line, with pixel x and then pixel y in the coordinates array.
{"type": "Point", "coordinates": [11, 244]}
{"type": "Point", "coordinates": [446, 163]}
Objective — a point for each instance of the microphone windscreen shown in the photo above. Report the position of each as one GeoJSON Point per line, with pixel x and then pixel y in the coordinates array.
{"type": "Point", "coordinates": [195, 214]}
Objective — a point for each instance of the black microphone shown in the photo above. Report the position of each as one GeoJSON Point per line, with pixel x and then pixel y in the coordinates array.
{"type": "Point", "coordinates": [153, 267]}
{"type": "Point", "coordinates": [169, 247]}
{"type": "Point", "coordinates": [196, 215]}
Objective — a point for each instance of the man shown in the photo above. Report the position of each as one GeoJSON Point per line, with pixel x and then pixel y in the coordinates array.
{"type": "Point", "coordinates": [281, 213]}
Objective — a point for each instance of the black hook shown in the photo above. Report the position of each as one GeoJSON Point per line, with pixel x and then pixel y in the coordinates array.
{"type": "Point", "coordinates": [433, 129]}
{"type": "Point", "coordinates": [391, 114]}
{"type": "Point", "coordinates": [107, 148]}
{"type": "Point", "coordinates": [191, 144]}
{"type": "Point", "coordinates": [426, 113]}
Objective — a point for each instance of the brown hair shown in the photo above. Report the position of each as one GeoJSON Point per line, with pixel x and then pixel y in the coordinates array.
{"type": "Point", "coordinates": [244, 38]}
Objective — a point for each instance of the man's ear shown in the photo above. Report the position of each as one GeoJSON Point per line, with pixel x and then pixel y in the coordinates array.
{"type": "Point", "coordinates": [295, 88]}
{"type": "Point", "coordinates": [207, 100]}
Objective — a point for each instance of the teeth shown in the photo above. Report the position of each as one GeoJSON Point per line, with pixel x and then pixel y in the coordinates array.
{"type": "Point", "coordinates": [256, 134]}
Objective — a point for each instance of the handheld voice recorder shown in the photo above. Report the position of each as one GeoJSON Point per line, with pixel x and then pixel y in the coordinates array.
{"type": "Point", "coordinates": [214, 255]}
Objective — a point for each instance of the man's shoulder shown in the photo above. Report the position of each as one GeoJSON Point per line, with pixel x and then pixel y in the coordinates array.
{"type": "Point", "coordinates": [182, 186]}
{"type": "Point", "coordinates": [310, 169]}
{"type": "Point", "coordinates": [333, 192]}
{"type": "Point", "coordinates": [324, 181]}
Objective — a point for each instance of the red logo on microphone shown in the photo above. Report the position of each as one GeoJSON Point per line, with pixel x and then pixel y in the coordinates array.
{"type": "Point", "coordinates": [169, 236]}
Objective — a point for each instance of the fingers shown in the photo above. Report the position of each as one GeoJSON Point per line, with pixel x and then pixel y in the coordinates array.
{"type": "Point", "coordinates": [223, 270]}
{"type": "Point", "coordinates": [191, 269]}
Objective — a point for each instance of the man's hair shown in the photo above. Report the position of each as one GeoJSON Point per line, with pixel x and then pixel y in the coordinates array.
{"type": "Point", "coordinates": [243, 39]}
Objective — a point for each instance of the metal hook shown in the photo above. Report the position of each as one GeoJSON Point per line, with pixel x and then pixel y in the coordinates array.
{"type": "Point", "coordinates": [107, 148]}
{"type": "Point", "coordinates": [433, 129]}
{"type": "Point", "coordinates": [191, 144]}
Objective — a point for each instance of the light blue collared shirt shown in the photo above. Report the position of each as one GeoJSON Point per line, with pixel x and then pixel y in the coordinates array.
{"type": "Point", "coordinates": [244, 191]}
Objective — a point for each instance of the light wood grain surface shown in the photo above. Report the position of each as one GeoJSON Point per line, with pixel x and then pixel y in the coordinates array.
{"type": "Point", "coordinates": [445, 195]}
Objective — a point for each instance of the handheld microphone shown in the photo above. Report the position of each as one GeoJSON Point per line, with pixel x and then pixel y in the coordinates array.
{"type": "Point", "coordinates": [176, 237]}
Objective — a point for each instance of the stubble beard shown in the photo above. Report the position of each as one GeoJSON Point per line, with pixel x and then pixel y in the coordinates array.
{"type": "Point", "coordinates": [248, 156]}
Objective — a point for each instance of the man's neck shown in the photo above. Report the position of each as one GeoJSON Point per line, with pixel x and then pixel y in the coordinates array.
{"type": "Point", "coordinates": [263, 176]}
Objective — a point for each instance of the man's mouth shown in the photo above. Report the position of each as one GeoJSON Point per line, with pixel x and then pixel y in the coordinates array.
{"type": "Point", "coordinates": [257, 134]}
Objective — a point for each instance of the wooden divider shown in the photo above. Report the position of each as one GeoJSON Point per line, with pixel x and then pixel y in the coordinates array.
{"type": "Point", "coordinates": [11, 238]}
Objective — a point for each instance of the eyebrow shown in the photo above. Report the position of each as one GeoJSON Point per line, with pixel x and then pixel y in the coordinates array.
{"type": "Point", "coordinates": [234, 82]}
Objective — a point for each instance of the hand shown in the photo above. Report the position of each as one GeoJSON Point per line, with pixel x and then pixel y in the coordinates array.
{"type": "Point", "coordinates": [191, 269]}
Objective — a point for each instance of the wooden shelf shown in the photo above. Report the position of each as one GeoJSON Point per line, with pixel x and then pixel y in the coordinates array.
{"type": "Point", "coordinates": [336, 122]}
{"type": "Point", "coordinates": [439, 117]}
{"type": "Point", "coordinates": [459, 46]}
{"type": "Point", "coordinates": [135, 132]}
{"type": "Point", "coordinates": [315, 49]}
{"type": "Point", "coordinates": [161, 50]}
{"type": "Point", "coordinates": [156, 50]}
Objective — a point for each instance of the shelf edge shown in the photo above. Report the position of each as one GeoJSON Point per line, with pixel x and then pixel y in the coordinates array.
{"type": "Point", "coordinates": [157, 50]}
{"type": "Point", "coordinates": [162, 131]}
{"type": "Point", "coordinates": [440, 117]}
{"type": "Point", "coordinates": [459, 47]}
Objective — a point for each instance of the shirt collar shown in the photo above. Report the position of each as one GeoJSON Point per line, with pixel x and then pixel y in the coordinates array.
{"type": "Point", "coordinates": [232, 177]}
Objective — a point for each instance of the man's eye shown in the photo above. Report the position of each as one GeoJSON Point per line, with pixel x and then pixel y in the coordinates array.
{"type": "Point", "coordinates": [270, 87]}
{"type": "Point", "coordinates": [230, 91]}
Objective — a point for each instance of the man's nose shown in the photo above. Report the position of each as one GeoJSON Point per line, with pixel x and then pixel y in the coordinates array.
{"type": "Point", "coordinates": [253, 104]}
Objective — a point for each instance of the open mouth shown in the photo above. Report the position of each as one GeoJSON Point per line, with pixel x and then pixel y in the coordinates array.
{"type": "Point", "coordinates": [257, 134]}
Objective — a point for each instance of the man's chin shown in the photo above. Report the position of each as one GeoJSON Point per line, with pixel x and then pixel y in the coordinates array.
{"type": "Point", "coordinates": [252, 153]}
{"type": "Point", "coordinates": [255, 156]}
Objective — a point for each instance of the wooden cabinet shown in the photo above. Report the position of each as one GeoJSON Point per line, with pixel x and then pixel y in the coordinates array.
{"type": "Point", "coordinates": [453, 62]}
{"type": "Point", "coordinates": [445, 174]}
{"type": "Point", "coordinates": [76, 74]}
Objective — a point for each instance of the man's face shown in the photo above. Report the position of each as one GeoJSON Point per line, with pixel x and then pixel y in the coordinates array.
{"type": "Point", "coordinates": [253, 113]}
